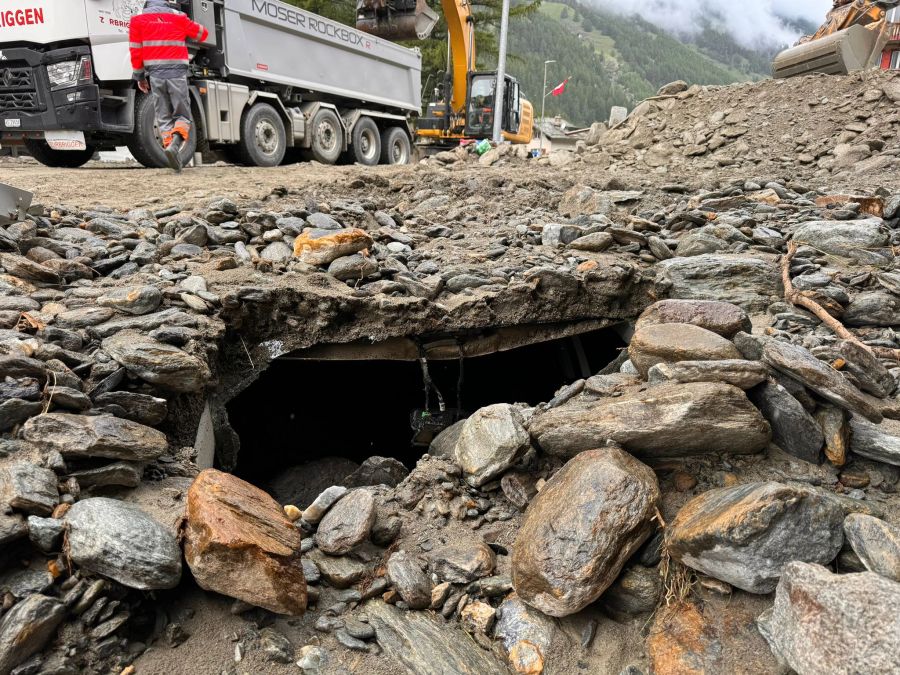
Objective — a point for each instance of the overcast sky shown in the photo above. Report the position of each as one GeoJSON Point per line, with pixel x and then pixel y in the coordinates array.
{"type": "Point", "coordinates": [752, 22]}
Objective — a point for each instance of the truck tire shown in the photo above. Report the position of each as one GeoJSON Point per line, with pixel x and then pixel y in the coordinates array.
{"type": "Point", "coordinates": [145, 142]}
{"type": "Point", "coordinates": [395, 146]}
{"type": "Point", "coordinates": [263, 138]}
{"type": "Point", "coordinates": [58, 159]}
{"type": "Point", "coordinates": [366, 142]}
{"type": "Point", "coordinates": [327, 137]}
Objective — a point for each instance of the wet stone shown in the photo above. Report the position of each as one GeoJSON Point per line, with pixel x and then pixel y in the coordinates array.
{"type": "Point", "coordinates": [27, 628]}
{"type": "Point", "coordinates": [158, 363]}
{"type": "Point", "coordinates": [347, 524]}
{"type": "Point", "coordinates": [793, 429]}
{"type": "Point", "coordinates": [30, 489]}
{"type": "Point", "coordinates": [490, 442]}
{"type": "Point", "coordinates": [876, 543]}
{"type": "Point", "coordinates": [410, 581]}
{"type": "Point", "coordinates": [463, 561]}
{"type": "Point", "coordinates": [673, 342]}
{"type": "Point", "coordinates": [100, 436]}
{"type": "Point", "coordinates": [134, 300]}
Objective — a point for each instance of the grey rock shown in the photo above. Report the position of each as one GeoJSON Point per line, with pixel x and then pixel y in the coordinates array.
{"type": "Point", "coordinates": [347, 524]}
{"type": "Point", "coordinates": [636, 591]}
{"type": "Point", "coordinates": [749, 282]}
{"type": "Point", "coordinates": [29, 488]}
{"type": "Point", "coordinates": [596, 242]}
{"type": "Point", "coordinates": [46, 533]}
{"type": "Point", "coordinates": [582, 527]}
{"type": "Point", "coordinates": [340, 572]}
{"type": "Point", "coordinates": [840, 238]}
{"type": "Point", "coordinates": [668, 420]}
{"type": "Point", "coordinates": [463, 561]}
{"type": "Point", "coordinates": [27, 628]}
{"type": "Point", "coordinates": [120, 474]}
{"type": "Point", "coordinates": [837, 624]}
{"type": "Point", "coordinates": [275, 646]}
{"type": "Point", "coordinates": [377, 471]}
{"type": "Point", "coordinates": [410, 581]}
{"type": "Point", "coordinates": [141, 408]}
{"type": "Point", "coordinates": [314, 513]}
{"type": "Point", "coordinates": [557, 234]}
{"type": "Point", "coordinates": [722, 318]}
{"type": "Point", "coordinates": [798, 363]}
{"type": "Point", "coordinates": [793, 429]}
{"type": "Point", "coordinates": [12, 528]}
{"type": "Point", "coordinates": [490, 442]}
{"type": "Point", "coordinates": [422, 644]}
{"type": "Point", "coordinates": [736, 372]}
{"type": "Point", "coordinates": [84, 317]}
{"type": "Point", "coordinates": [880, 442]}
{"type": "Point", "coordinates": [323, 221]}
{"type": "Point", "coordinates": [873, 308]}
{"type": "Point", "coordinates": [135, 300]}
{"type": "Point", "coordinates": [350, 642]}
{"type": "Point", "coordinates": [15, 411]}
{"type": "Point", "coordinates": [745, 535]}
{"type": "Point", "coordinates": [118, 540]}
{"type": "Point", "coordinates": [158, 363]}
{"type": "Point", "coordinates": [876, 543]}
{"type": "Point", "coordinates": [98, 436]}
{"type": "Point", "coordinates": [518, 625]}
{"type": "Point", "coordinates": [673, 342]}
{"type": "Point", "coordinates": [24, 582]}
{"type": "Point", "coordinates": [356, 266]}
{"type": "Point", "coordinates": [444, 444]}
{"type": "Point", "coordinates": [277, 251]}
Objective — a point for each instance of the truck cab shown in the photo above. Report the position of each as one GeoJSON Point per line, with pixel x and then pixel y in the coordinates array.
{"type": "Point", "coordinates": [270, 78]}
{"type": "Point", "coordinates": [481, 109]}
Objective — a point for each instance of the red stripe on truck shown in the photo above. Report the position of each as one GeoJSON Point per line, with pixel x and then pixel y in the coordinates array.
{"type": "Point", "coordinates": [32, 16]}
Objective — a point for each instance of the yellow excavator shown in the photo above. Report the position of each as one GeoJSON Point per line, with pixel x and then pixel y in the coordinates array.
{"type": "Point", "coordinates": [464, 105]}
{"type": "Point", "coordinates": [851, 37]}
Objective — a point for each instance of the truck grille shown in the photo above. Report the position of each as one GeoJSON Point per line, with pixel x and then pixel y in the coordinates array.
{"type": "Point", "coordinates": [18, 91]}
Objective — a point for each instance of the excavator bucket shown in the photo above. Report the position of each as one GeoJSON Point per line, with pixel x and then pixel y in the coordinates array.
{"type": "Point", "coordinates": [397, 19]}
{"type": "Point", "coordinates": [836, 54]}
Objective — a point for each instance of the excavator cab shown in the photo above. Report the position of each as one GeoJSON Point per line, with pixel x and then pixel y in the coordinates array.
{"type": "Point", "coordinates": [481, 106]}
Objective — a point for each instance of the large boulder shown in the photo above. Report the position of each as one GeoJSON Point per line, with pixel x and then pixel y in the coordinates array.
{"type": "Point", "coordinates": [239, 543]}
{"type": "Point", "coordinates": [347, 524]}
{"type": "Point", "coordinates": [745, 535]}
{"type": "Point", "coordinates": [158, 363]}
{"type": "Point", "coordinates": [118, 540]}
{"type": "Point", "coordinates": [490, 442]}
{"type": "Point", "coordinates": [720, 317]}
{"type": "Point", "coordinates": [876, 543]}
{"type": "Point", "coordinates": [95, 436]}
{"type": "Point", "coordinates": [27, 628]}
{"type": "Point", "coordinates": [673, 342]}
{"type": "Point", "coordinates": [579, 531]}
{"type": "Point", "coordinates": [749, 282]}
{"type": "Point", "coordinates": [842, 237]}
{"type": "Point", "coordinates": [669, 420]}
{"type": "Point", "coordinates": [837, 624]}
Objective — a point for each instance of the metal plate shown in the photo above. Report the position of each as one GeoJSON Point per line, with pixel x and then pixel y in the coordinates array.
{"type": "Point", "coordinates": [13, 203]}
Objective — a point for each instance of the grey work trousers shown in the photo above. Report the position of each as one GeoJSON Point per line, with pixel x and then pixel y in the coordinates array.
{"type": "Point", "coordinates": [172, 101]}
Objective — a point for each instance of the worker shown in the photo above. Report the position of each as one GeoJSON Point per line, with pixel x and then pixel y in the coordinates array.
{"type": "Point", "coordinates": [159, 57]}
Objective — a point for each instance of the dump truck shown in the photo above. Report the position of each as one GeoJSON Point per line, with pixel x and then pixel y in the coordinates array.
{"type": "Point", "coordinates": [851, 39]}
{"type": "Point", "coordinates": [270, 81]}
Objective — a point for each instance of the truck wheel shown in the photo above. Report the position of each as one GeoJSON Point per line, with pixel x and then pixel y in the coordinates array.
{"type": "Point", "coordinates": [327, 136]}
{"type": "Point", "coordinates": [366, 142]}
{"type": "Point", "coordinates": [146, 143]}
{"type": "Point", "coordinates": [263, 138]}
{"type": "Point", "coordinates": [58, 159]}
{"type": "Point", "coordinates": [395, 147]}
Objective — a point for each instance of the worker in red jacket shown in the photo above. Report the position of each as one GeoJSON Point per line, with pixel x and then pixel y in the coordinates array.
{"type": "Point", "coordinates": [159, 57]}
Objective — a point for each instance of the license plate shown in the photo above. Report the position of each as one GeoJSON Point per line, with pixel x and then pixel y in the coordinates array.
{"type": "Point", "coordinates": [13, 123]}
{"type": "Point", "coordinates": [66, 140]}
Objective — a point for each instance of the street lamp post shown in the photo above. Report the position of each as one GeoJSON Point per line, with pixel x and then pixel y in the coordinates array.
{"type": "Point", "coordinates": [543, 103]}
{"type": "Point", "coordinates": [500, 88]}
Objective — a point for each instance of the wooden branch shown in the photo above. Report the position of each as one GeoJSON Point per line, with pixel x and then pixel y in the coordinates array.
{"type": "Point", "coordinates": [793, 296]}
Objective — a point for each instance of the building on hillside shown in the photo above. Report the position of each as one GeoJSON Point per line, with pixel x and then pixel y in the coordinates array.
{"type": "Point", "coordinates": [557, 134]}
{"type": "Point", "coordinates": [890, 55]}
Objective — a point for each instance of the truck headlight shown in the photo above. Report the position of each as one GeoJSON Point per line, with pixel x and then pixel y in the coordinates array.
{"type": "Point", "coordinates": [69, 73]}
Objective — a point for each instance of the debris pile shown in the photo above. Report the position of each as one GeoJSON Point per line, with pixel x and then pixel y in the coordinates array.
{"type": "Point", "coordinates": [683, 508]}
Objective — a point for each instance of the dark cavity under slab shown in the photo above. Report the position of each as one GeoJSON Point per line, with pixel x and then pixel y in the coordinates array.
{"type": "Point", "coordinates": [337, 402]}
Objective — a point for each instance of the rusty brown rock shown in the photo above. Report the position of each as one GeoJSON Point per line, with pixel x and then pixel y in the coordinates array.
{"type": "Point", "coordinates": [582, 527]}
{"type": "Point", "coordinates": [722, 318]}
{"type": "Point", "coordinates": [682, 642]}
{"type": "Point", "coordinates": [323, 247]}
{"type": "Point", "coordinates": [239, 543]}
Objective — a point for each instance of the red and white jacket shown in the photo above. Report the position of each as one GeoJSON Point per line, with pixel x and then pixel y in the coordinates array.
{"type": "Point", "coordinates": [157, 40]}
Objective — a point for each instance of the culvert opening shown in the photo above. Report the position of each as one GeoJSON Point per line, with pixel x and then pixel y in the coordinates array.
{"type": "Point", "coordinates": [314, 415]}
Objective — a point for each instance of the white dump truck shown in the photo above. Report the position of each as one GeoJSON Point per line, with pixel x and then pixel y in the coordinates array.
{"type": "Point", "coordinates": [271, 81]}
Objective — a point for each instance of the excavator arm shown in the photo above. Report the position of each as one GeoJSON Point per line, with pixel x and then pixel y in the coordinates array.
{"type": "Point", "coordinates": [845, 42]}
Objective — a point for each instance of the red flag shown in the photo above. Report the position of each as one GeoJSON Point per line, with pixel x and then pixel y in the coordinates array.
{"type": "Point", "coordinates": [561, 88]}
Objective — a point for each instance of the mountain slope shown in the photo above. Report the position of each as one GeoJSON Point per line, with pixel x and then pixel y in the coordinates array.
{"type": "Point", "coordinates": [617, 60]}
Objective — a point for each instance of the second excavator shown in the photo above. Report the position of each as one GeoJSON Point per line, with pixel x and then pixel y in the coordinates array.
{"type": "Point", "coordinates": [464, 105]}
{"type": "Point", "coordinates": [851, 37]}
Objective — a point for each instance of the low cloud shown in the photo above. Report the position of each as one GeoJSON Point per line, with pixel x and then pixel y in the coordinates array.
{"type": "Point", "coordinates": [753, 23]}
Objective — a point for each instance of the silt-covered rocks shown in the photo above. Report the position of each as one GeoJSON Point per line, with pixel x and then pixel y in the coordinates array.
{"type": "Point", "coordinates": [158, 363]}
{"type": "Point", "coordinates": [745, 535]}
{"type": "Point", "coordinates": [838, 624]}
{"type": "Point", "coordinates": [579, 531]}
{"type": "Point", "coordinates": [238, 542]}
{"type": "Point", "coordinates": [95, 436]}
